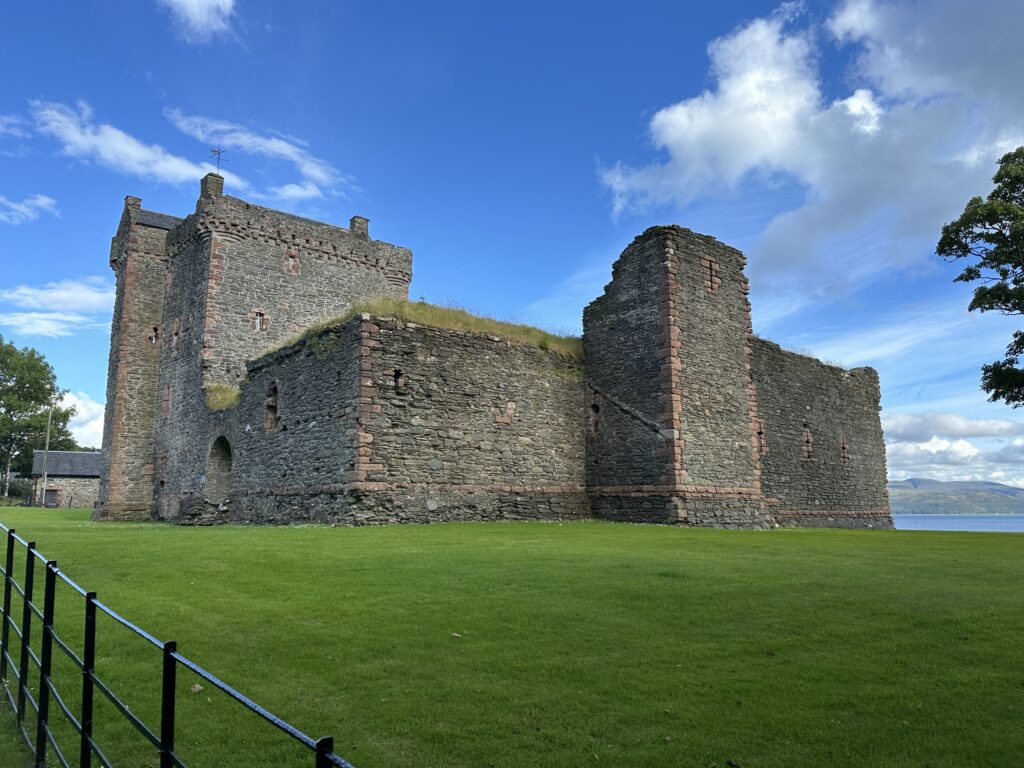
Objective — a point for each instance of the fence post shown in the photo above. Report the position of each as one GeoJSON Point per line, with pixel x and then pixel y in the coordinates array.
{"type": "Point", "coordinates": [6, 616]}
{"type": "Point", "coordinates": [167, 706]}
{"type": "Point", "coordinates": [46, 662]}
{"type": "Point", "coordinates": [26, 628]}
{"type": "Point", "coordinates": [88, 666]}
{"type": "Point", "coordinates": [324, 747]}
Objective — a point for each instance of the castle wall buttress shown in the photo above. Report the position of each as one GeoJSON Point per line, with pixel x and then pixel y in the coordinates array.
{"type": "Point", "coordinates": [139, 260]}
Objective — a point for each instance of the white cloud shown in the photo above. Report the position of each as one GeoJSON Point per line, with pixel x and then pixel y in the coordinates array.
{"type": "Point", "coordinates": [767, 92]}
{"type": "Point", "coordinates": [880, 169]}
{"type": "Point", "coordinates": [53, 324]}
{"type": "Point", "coordinates": [82, 138]}
{"type": "Point", "coordinates": [87, 424]}
{"type": "Point", "coordinates": [201, 19]}
{"type": "Point", "coordinates": [19, 212]}
{"type": "Point", "coordinates": [12, 125]}
{"type": "Point", "coordinates": [87, 294]}
{"type": "Point", "coordinates": [318, 177]}
{"type": "Point", "coordinates": [935, 451]}
{"type": "Point", "coordinates": [925, 426]}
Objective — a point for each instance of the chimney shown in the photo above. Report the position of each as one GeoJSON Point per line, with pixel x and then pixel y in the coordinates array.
{"type": "Point", "coordinates": [212, 185]}
{"type": "Point", "coordinates": [359, 226]}
{"type": "Point", "coordinates": [132, 202]}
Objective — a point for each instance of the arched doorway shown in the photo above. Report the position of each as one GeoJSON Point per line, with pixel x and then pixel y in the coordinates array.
{"type": "Point", "coordinates": [218, 471]}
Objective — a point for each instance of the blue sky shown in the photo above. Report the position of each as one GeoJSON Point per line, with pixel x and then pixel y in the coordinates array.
{"type": "Point", "coordinates": [517, 148]}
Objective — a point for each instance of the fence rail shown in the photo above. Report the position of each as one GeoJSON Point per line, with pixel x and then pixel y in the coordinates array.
{"type": "Point", "coordinates": [29, 664]}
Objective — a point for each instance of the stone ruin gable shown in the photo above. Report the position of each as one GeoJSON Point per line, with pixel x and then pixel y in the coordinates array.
{"type": "Point", "coordinates": [672, 407]}
{"type": "Point", "coordinates": [378, 421]}
{"type": "Point", "coordinates": [272, 275]}
{"type": "Point", "coordinates": [823, 455]}
{"type": "Point", "coordinates": [139, 259]}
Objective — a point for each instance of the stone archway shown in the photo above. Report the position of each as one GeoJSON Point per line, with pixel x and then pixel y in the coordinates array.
{"type": "Point", "coordinates": [218, 471]}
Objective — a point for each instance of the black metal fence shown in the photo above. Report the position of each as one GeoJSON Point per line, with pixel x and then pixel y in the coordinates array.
{"type": "Point", "coordinates": [33, 672]}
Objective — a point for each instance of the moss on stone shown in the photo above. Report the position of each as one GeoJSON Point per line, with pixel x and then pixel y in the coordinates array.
{"type": "Point", "coordinates": [220, 397]}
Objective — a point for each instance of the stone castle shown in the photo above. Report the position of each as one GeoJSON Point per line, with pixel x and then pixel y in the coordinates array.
{"type": "Point", "coordinates": [220, 408]}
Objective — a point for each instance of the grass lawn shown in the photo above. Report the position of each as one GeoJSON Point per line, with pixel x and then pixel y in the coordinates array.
{"type": "Point", "coordinates": [526, 644]}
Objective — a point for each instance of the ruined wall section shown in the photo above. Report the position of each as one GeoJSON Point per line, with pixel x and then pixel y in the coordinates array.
{"type": "Point", "coordinates": [622, 332]}
{"type": "Point", "coordinates": [273, 275]}
{"type": "Point", "coordinates": [464, 426]}
{"type": "Point", "coordinates": [295, 441]}
{"type": "Point", "coordinates": [377, 421]}
{"type": "Point", "coordinates": [713, 391]}
{"type": "Point", "coordinates": [668, 375]}
{"type": "Point", "coordinates": [139, 260]}
{"type": "Point", "coordinates": [824, 457]}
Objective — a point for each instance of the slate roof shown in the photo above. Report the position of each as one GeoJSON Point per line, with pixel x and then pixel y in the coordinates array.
{"type": "Point", "coordinates": [67, 464]}
{"type": "Point", "coordinates": [157, 220]}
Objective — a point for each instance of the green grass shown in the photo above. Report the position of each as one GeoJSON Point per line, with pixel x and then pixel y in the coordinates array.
{"type": "Point", "coordinates": [451, 318]}
{"type": "Point", "coordinates": [526, 644]}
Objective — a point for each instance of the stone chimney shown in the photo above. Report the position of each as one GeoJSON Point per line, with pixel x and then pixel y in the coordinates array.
{"type": "Point", "coordinates": [359, 226]}
{"type": "Point", "coordinates": [212, 185]}
{"type": "Point", "coordinates": [132, 202]}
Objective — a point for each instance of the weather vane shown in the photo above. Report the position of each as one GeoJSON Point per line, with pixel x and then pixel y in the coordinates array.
{"type": "Point", "coordinates": [216, 153]}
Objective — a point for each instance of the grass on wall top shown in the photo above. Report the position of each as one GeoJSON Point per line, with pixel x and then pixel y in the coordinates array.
{"type": "Point", "coordinates": [220, 397]}
{"type": "Point", "coordinates": [453, 319]}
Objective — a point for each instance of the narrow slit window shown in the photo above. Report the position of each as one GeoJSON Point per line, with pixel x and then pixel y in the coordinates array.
{"type": "Point", "coordinates": [807, 444]}
{"type": "Point", "coordinates": [273, 416]}
{"type": "Point", "coordinates": [762, 441]}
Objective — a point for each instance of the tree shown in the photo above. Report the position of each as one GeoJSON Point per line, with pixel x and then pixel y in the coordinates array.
{"type": "Point", "coordinates": [991, 233]}
{"type": "Point", "coordinates": [28, 387]}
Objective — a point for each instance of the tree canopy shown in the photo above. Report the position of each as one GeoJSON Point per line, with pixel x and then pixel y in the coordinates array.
{"type": "Point", "coordinates": [990, 233]}
{"type": "Point", "coordinates": [28, 387]}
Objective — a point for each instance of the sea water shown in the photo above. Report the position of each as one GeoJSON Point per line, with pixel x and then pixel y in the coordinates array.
{"type": "Point", "coordinates": [1002, 523]}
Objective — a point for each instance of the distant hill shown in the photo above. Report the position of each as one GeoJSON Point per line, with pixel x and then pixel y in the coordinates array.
{"type": "Point", "coordinates": [917, 496]}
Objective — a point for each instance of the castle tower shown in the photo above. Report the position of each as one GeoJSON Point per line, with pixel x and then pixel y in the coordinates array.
{"type": "Point", "coordinates": [673, 430]}
{"type": "Point", "coordinates": [138, 257]}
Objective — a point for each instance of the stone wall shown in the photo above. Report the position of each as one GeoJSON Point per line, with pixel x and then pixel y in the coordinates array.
{"type": "Point", "coordinates": [823, 456]}
{"type": "Point", "coordinates": [295, 440]}
{"type": "Point", "coordinates": [464, 426]}
{"type": "Point", "coordinates": [78, 492]}
{"type": "Point", "coordinates": [183, 422]}
{"type": "Point", "coordinates": [241, 280]}
{"type": "Point", "coordinates": [378, 421]}
{"type": "Point", "coordinates": [621, 331]}
{"type": "Point", "coordinates": [668, 371]}
{"type": "Point", "coordinates": [139, 260]}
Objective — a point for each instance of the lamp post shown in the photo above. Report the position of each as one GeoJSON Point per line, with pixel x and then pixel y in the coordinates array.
{"type": "Point", "coordinates": [46, 452]}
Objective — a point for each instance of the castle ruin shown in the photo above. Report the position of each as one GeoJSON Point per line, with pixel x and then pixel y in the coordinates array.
{"type": "Point", "coordinates": [675, 413]}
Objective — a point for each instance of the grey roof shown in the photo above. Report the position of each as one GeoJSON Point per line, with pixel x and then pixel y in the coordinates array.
{"type": "Point", "coordinates": [156, 220]}
{"type": "Point", "coordinates": [67, 464]}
